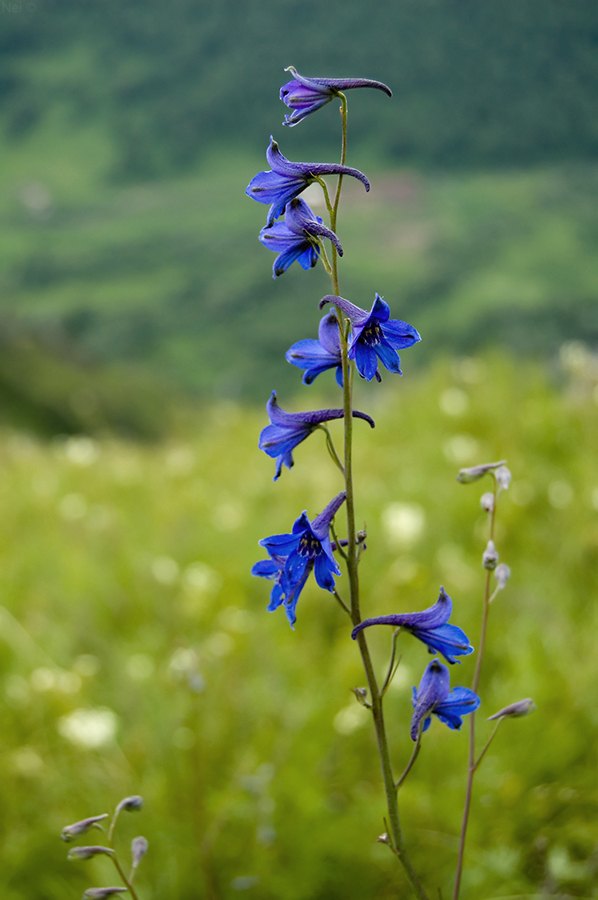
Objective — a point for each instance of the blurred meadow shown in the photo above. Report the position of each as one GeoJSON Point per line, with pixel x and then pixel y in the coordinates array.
{"type": "Point", "coordinates": [141, 336]}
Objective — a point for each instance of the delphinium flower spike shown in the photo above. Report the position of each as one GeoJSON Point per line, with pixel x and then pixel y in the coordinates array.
{"type": "Point", "coordinates": [316, 357]}
{"type": "Point", "coordinates": [287, 430]}
{"type": "Point", "coordinates": [297, 237]}
{"type": "Point", "coordinates": [306, 95]}
{"type": "Point", "coordinates": [433, 697]}
{"type": "Point", "coordinates": [294, 555]}
{"type": "Point", "coordinates": [287, 180]}
{"type": "Point", "coordinates": [430, 626]}
{"type": "Point", "coordinates": [375, 336]}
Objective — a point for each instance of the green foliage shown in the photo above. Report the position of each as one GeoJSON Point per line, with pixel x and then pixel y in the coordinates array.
{"type": "Point", "coordinates": [126, 594]}
{"type": "Point", "coordinates": [476, 83]}
{"type": "Point", "coordinates": [143, 274]}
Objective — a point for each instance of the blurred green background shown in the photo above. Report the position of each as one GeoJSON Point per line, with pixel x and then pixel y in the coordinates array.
{"type": "Point", "coordinates": [141, 334]}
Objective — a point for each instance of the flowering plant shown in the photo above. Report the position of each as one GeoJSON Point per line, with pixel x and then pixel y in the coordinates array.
{"type": "Point", "coordinates": [356, 342]}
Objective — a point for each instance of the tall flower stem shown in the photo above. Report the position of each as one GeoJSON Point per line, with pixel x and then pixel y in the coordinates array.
{"type": "Point", "coordinates": [396, 834]}
{"type": "Point", "coordinates": [472, 765]}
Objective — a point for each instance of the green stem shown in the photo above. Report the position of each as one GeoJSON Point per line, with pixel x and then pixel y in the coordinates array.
{"type": "Point", "coordinates": [395, 832]}
{"type": "Point", "coordinates": [391, 665]}
{"type": "Point", "coordinates": [409, 766]}
{"type": "Point", "coordinates": [125, 880]}
{"type": "Point", "coordinates": [472, 765]}
{"type": "Point", "coordinates": [488, 742]}
{"type": "Point", "coordinates": [331, 448]}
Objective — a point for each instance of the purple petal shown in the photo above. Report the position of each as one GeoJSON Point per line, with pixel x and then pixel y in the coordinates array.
{"type": "Point", "coordinates": [328, 334]}
{"type": "Point", "coordinates": [335, 84]}
{"type": "Point", "coordinates": [432, 691]}
{"type": "Point", "coordinates": [321, 524]}
{"type": "Point", "coordinates": [356, 314]}
{"type": "Point", "coordinates": [432, 617]}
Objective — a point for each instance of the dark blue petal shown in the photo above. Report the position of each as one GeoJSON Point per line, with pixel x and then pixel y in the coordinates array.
{"type": "Point", "coordinates": [280, 544]}
{"type": "Point", "coordinates": [449, 640]}
{"type": "Point", "coordinates": [288, 257]}
{"type": "Point", "coordinates": [328, 334]}
{"type": "Point", "coordinates": [266, 568]}
{"type": "Point", "coordinates": [433, 690]}
{"type": "Point", "coordinates": [380, 310]}
{"type": "Point", "coordinates": [365, 360]}
{"type": "Point", "coordinates": [400, 334]}
{"type": "Point", "coordinates": [276, 597]}
{"type": "Point", "coordinates": [309, 257]}
{"type": "Point", "coordinates": [324, 572]}
{"type": "Point", "coordinates": [388, 357]}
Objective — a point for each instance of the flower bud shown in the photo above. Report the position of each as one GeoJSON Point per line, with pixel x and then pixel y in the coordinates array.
{"type": "Point", "coordinates": [490, 557]}
{"type": "Point", "coordinates": [130, 804]}
{"type": "Point", "coordinates": [503, 477]}
{"type": "Point", "coordinates": [138, 850]}
{"type": "Point", "coordinates": [362, 695]}
{"type": "Point", "coordinates": [502, 573]}
{"type": "Point", "coordinates": [361, 536]}
{"type": "Point", "coordinates": [100, 893]}
{"type": "Point", "coordinates": [487, 501]}
{"type": "Point", "coordinates": [515, 710]}
{"type": "Point", "coordinates": [70, 832]}
{"type": "Point", "coordinates": [88, 852]}
{"type": "Point", "coordinates": [474, 473]}
{"type": "Point", "coordinates": [383, 839]}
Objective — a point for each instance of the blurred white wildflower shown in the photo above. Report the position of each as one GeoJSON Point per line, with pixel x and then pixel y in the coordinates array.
{"type": "Point", "coordinates": [403, 523]}
{"type": "Point", "coordinates": [89, 728]}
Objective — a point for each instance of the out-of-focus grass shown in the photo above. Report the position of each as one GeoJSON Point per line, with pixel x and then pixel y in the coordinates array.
{"type": "Point", "coordinates": [127, 595]}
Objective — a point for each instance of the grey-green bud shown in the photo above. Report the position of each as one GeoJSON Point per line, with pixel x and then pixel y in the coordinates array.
{"type": "Point", "coordinates": [490, 557]}
{"type": "Point", "coordinates": [502, 573]}
{"type": "Point", "coordinates": [515, 710]}
{"type": "Point", "coordinates": [130, 804]}
{"type": "Point", "coordinates": [503, 477]}
{"type": "Point", "coordinates": [474, 473]}
{"type": "Point", "coordinates": [70, 832]}
{"type": "Point", "coordinates": [100, 893]}
{"type": "Point", "coordinates": [88, 852]}
{"type": "Point", "coordinates": [138, 850]}
{"type": "Point", "coordinates": [487, 501]}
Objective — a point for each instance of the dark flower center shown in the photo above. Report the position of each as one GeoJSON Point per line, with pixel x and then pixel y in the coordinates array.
{"type": "Point", "coordinates": [372, 334]}
{"type": "Point", "coordinates": [309, 545]}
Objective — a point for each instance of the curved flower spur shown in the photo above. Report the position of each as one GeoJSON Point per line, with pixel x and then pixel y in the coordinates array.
{"type": "Point", "coordinates": [287, 430]}
{"type": "Point", "coordinates": [287, 180]}
{"type": "Point", "coordinates": [375, 336]}
{"type": "Point", "coordinates": [430, 626]}
{"type": "Point", "coordinates": [305, 95]}
{"type": "Point", "coordinates": [297, 238]}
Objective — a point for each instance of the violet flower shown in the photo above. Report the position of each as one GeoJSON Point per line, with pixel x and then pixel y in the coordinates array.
{"type": "Point", "coordinates": [375, 336]}
{"type": "Point", "coordinates": [433, 697]}
{"type": "Point", "coordinates": [430, 626]}
{"type": "Point", "coordinates": [295, 555]}
{"type": "Point", "coordinates": [306, 95]}
{"type": "Point", "coordinates": [317, 356]}
{"type": "Point", "coordinates": [286, 430]}
{"type": "Point", "coordinates": [297, 237]}
{"type": "Point", "coordinates": [287, 179]}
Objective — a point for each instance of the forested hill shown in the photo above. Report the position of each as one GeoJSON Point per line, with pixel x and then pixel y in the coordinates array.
{"type": "Point", "coordinates": [476, 82]}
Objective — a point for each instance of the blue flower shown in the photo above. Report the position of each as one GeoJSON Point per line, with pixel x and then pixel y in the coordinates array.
{"type": "Point", "coordinates": [317, 356]}
{"type": "Point", "coordinates": [434, 698]}
{"type": "Point", "coordinates": [286, 430]}
{"type": "Point", "coordinates": [430, 626]}
{"type": "Point", "coordinates": [287, 179]}
{"type": "Point", "coordinates": [306, 95]}
{"type": "Point", "coordinates": [297, 237]}
{"type": "Point", "coordinates": [375, 336]}
{"type": "Point", "coordinates": [295, 555]}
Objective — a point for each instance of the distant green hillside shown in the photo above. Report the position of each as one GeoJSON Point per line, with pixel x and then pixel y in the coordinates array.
{"type": "Point", "coordinates": [170, 275]}
{"type": "Point", "coordinates": [493, 82]}
{"type": "Point", "coordinates": [129, 131]}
